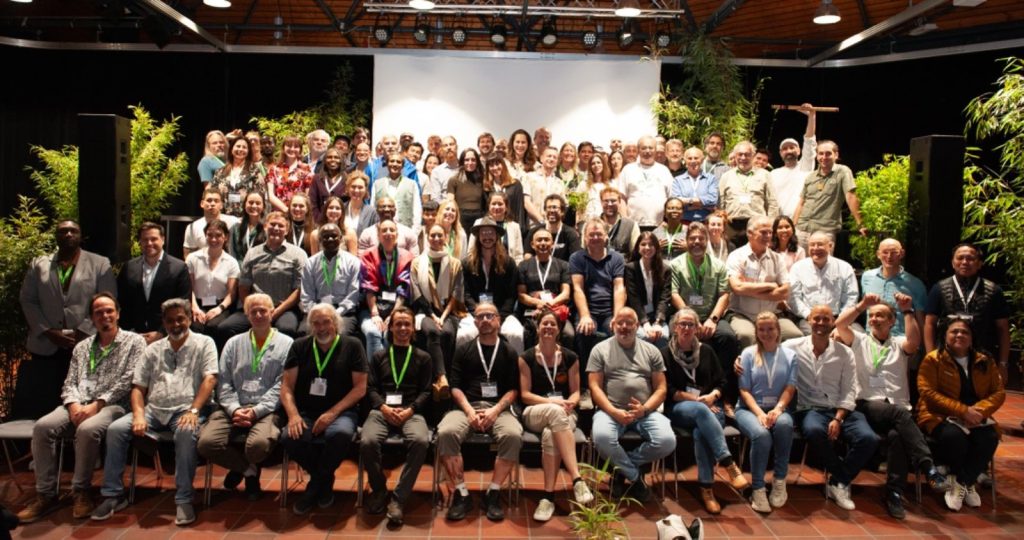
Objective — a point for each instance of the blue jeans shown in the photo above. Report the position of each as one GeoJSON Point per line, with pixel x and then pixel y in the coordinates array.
{"type": "Point", "coordinates": [321, 454]}
{"type": "Point", "coordinates": [654, 429]}
{"type": "Point", "coordinates": [374, 338]}
{"type": "Point", "coordinates": [119, 437]}
{"type": "Point", "coordinates": [709, 445]}
{"type": "Point", "coordinates": [861, 442]}
{"type": "Point", "coordinates": [762, 440]}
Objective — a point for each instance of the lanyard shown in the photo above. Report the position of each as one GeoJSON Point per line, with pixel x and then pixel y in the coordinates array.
{"type": "Point", "coordinates": [970, 296]}
{"type": "Point", "coordinates": [671, 237]}
{"type": "Point", "coordinates": [554, 245]}
{"type": "Point", "coordinates": [696, 182]}
{"type": "Point", "coordinates": [302, 235]}
{"type": "Point", "coordinates": [554, 369]}
{"type": "Point", "coordinates": [394, 372]}
{"type": "Point", "coordinates": [329, 271]}
{"type": "Point", "coordinates": [697, 273]}
{"type": "Point", "coordinates": [330, 187]}
{"type": "Point", "coordinates": [543, 275]}
{"type": "Point", "coordinates": [251, 236]}
{"type": "Point", "coordinates": [494, 354]}
{"type": "Point", "coordinates": [877, 353]}
{"type": "Point", "coordinates": [103, 354]}
{"type": "Point", "coordinates": [257, 353]}
{"type": "Point", "coordinates": [770, 373]}
{"type": "Point", "coordinates": [390, 268]}
{"type": "Point", "coordinates": [316, 355]}
{"type": "Point", "coordinates": [65, 274]}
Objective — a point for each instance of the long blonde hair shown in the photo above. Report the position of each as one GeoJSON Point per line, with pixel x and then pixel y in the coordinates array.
{"type": "Point", "coordinates": [454, 236]}
{"type": "Point", "coordinates": [764, 316]}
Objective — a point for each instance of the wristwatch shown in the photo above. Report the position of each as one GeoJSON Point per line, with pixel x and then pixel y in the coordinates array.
{"type": "Point", "coordinates": [194, 411]}
{"type": "Point", "coordinates": [837, 419]}
{"type": "Point", "coordinates": [714, 319]}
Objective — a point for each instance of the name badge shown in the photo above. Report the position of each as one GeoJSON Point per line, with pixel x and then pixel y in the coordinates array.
{"type": "Point", "coordinates": [877, 381]}
{"type": "Point", "coordinates": [487, 297]}
{"type": "Point", "coordinates": [328, 299]}
{"type": "Point", "coordinates": [208, 300]}
{"type": "Point", "coordinates": [555, 395]}
{"type": "Point", "coordinates": [393, 399]}
{"type": "Point", "coordinates": [695, 300]}
{"type": "Point", "coordinates": [546, 296]}
{"type": "Point", "coordinates": [489, 390]}
{"type": "Point", "coordinates": [251, 385]}
{"type": "Point", "coordinates": [745, 199]}
{"type": "Point", "coordinates": [318, 387]}
{"type": "Point", "coordinates": [693, 390]}
{"type": "Point", "coordinates": [768, 402]}
{"type": "Point", "coordinates": [234, 197]}
{"type": "Point", "coordinates": [388, 296]}
{"type": "Point", "coordinates": [88, 387]}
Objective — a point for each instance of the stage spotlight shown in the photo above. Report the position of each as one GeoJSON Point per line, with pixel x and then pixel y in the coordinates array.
{"type": "Point", "coordinates": [459, 35]}
{"type": "Point", "coordinates": [548, 34]}
{"type": "Point", "coordinates": [382, 33]}
{"type": "Point", "coordinates": [589, 39]}
{"type": "Point", "coordinates": [626, 37]}
{"type": "Point", "coordinates": [499, 33]}
{"type": "Point", "coordinates": [662, 39]}
{"type": "Point", "coordinates": [421, 33]}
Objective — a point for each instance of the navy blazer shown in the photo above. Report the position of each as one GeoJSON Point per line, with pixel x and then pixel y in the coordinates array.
{"type": "Point", "coordinates": [171, 281]}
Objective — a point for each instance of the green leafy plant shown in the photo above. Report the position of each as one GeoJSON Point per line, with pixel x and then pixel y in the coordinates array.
{"type": "Point", "coordinates": [600, 519]}
{"type": "Point", "coordinates": [994, 198]}
{"type": "Point", "coordinates": [24, 235]}
{"type": "Point", "coordinates": [882, 191]}
{"type": "Point", "coordinates": [336, 114]}
{"type": "Point", "coordinates": [578, 200]}
{"type": "Point", "coordinates": [712, 98]}
{"type": "Point", "coordinates": [156, 175]}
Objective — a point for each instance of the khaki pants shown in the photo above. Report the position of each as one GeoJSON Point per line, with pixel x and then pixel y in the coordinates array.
{"type": "Point", "coordinates": [548, 418]}
{"type": "Point", "coordinates": [454, 428]}
{"type": "Point", "coordinates": [215, 437]}
{"type": "Point", "coordinates": [88, 436]}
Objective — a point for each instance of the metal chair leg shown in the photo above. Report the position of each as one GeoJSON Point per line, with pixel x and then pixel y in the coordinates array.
{"type": "Point", "coordinates": [135, 466]}
{"type": "Point", "coordinates": [60, 461]}
{"type": "Point", "coordinates": [359, 481]}
{"type": "Point", "coordinates": [208, 485]}
{"type": "Point", "coordinates": [10, 467]}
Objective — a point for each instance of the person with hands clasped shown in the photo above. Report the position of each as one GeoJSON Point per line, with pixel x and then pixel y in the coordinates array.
{"type": "Point", "coordinates": [397, 393]}
{"type": "Point", "coordinates": [324, 379]}
{"type": "Point", "coordinates": [767, 387]}
{"type": "Point", "coordinates": [384, 282]}
{"type": "Point", "coordinates": [695, 382]}
{"type": "Point", "coordinates": [549, 380]}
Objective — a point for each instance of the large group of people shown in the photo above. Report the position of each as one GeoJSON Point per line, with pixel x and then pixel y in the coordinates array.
{"type": "Point", "coordinates": [417, 290]}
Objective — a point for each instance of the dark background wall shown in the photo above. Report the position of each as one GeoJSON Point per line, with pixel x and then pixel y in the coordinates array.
{"type": "Point", "coordinates": [883, 106]}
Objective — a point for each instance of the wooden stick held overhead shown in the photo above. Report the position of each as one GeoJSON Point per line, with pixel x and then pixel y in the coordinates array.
{"type": "Point", "coordinates": [799, 107]}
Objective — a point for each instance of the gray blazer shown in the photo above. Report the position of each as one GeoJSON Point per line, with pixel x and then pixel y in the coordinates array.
{"type": "Point", "coordinates": [46, 306]}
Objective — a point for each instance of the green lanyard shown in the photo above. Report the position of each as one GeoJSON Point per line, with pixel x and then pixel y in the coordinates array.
{"type": "Point", "coordinates": [671, 237]}
{"type": "Point", "coordinates": [316, 356]}
{"type": "Point", "coordinates": [103, 354]}
{"type": "Point", "coordinates": [877, 353]}
{"type": "Point", "coordinates": [391, 268]}
{"type": "Point", "coordinates": [697, 274]}
{"type": "Point", "coordinates": [257, 353]}
{"type": "Point", "coordinates": [329, 272]}
{"type": "Point", "coordinates": [398, 379]}
{"type": "Point", "coordinates": [65, 274]}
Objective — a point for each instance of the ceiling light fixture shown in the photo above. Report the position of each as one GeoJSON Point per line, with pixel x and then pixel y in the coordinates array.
{"type": "Point", "coordinates": [548, 34]}
{"type": "Point", "coordinates": [626, 36]}
{"type": "Point", "coordinates": [422, 5]}
{"type": "Point", "coordinates": [499, 33]}
{"type": "Point", "coordinates": [421, 32]}
{"type": "Point", "coordinates": [459, 35]}
{"type": "Point", "coordinates": [922, 28]}
{"type": "Point", "coordinates": [22, 1]}
{"type": "Point", "coordinates": [217, 3]}
{"type": "Point", "coordinates": [590, 39]}
{"type": "Point", "coordinates": [662, 39]}
{"type": "Point", "coordinates": [382, 33]}
{"type": "Point", "coordinates": [827, 13]}
{"type": "Point", "coordinates": [628, 8]}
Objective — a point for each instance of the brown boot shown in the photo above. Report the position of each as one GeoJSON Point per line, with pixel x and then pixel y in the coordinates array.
{"type": "Point", "coordinates": [83, 505]}
{"type": "Point", "coordinates": [736, 478]}
{"type": "Point", "coordinates": [707, 495]}
{"type": "Point", "coordinates": [38, 508]}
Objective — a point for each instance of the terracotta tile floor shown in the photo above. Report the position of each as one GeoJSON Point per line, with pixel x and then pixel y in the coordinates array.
{"type": "Point", "coordinates": [807, 515]}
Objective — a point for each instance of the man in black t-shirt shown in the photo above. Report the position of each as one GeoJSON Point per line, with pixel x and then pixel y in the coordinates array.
{"type": "Point", "coordinates": [324, 379]}
{"type": "Point", "coordinates": [543, 281]}
{"type": "Point", "coordinates": [567, 240]}
{"type": "Point", "coordinates": [398, 391]}
{"type": "Point", "coordinates": [484, 383]}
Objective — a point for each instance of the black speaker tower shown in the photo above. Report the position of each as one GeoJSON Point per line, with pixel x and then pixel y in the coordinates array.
{"type": "Point", "coordinates": [936, 198]}
{"type": "Point", "coordinates": [104, 184]}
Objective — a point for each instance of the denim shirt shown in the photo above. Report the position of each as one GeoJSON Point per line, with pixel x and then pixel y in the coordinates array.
{"type": "Point", "coordinates": [236, 371]}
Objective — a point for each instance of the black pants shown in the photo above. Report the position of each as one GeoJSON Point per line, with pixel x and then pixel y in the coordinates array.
{"type": "Point", "coordinates": [906, 443]}
{"type": "Point", "coordinates": [40, 379]}
{"type": "Point", "coordinates": [967, 455]}
{"type": "Point", "coordinates": [441, 339]}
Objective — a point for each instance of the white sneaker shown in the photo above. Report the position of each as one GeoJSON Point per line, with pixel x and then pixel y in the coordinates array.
{"type": "Point", "coordinates": [544, 511]}
{"type": "Point", "coordinates": [955, 497]}
{"type": "Point", "coordinates": [582, 493]}
{"type": "Point", "coordinates": [779, 496]}
{"type": "Point", "coordinates": [759, 501]}
{"type": "Point", "coordinates": [971, 498]}
{"type": "Point", "coordinates": [841, 495]}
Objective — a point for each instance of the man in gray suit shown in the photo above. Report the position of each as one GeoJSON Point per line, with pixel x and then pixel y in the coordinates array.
{"type": "Point", "coordinates": [55, 297]}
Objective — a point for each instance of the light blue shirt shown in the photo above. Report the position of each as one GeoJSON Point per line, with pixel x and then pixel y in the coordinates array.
{"type": "Point", "coordinates": [342, 293]}
{"type": "Point", "coordinates": [706, 190]}
{"type": "Point", "coordinates": [239, 386]}
{"type": "Point", "coordinates": [770, 378]}
{"type": "Point", "coordinates": [834, 285]}
{"type": "Point", "coordinates": [872, 281]}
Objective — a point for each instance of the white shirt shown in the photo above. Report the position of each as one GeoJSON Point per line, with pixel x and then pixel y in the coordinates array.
{"type": "Point", "coordinates": [195, 233]}
{"type": "Point", "coordinates": [788, 182]}
{"type": "Point", "coordinates": [768, 268]}
{"type": "Point", "coordinates": [436, 189]}
{"type": "Point", "coordinates": [825, 382]}
{"type": "Point", "coordinates": [646, 189]}
{"type": "Point", "coordinates": [834, 285]}
{"type": "Point", "coordinates": [211, 284]}
{"type": "Point", "coordinates": [888, 379]}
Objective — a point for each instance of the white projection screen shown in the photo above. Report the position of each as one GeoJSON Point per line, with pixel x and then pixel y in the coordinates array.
{"type": "Point", "coordinates": [577, 99]}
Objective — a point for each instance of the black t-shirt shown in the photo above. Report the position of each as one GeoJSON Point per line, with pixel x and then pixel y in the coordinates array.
{"type": "Point", "coordinates": [529, 275]}
{"type": "Point", "coordinates": [566, 243]}
{"type": "Point", "coordinates": [468, 370]}
{"type": "Point", "coordinates": [540, 384]}
{"type": "Point", "coordinates": [348, 358]}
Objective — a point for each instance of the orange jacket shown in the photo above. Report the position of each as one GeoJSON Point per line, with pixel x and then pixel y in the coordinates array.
{"type": "Point", "coordinates": [938, 381]}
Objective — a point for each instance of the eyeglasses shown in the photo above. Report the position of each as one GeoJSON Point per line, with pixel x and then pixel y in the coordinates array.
{"type": "Point", "coordinates": [485, 316]}
{"type": "Point", "coordinates": [685, 324]}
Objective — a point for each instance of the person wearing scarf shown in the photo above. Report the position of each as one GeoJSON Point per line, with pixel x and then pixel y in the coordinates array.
{"type": "Point", "coordinates": [437, 290]}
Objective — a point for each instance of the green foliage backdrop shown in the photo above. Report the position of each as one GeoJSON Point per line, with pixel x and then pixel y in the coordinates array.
{"type": "Point", "coordinates": [882, 191]}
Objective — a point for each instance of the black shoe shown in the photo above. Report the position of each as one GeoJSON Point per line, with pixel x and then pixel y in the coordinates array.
{"type": "Point", "coordinates": [696, 530]}
{"type": "Point", "coordinates": [492, 502]}
{"type": "Point", "coordinates": [461, 505]}
{"type": "Point", "coordinates": [377, 502]}
{"type": "Point", "coordinates": [395, 514]}
{"type": "Point", "coordinates": [639, 491]}
{"type": "Point", "coordinates": [253, 491]}
{"type": "Point", "coordinates": [937, 481]}
{"type": "Point", "coordinates": [231, 480]}
{"type": "Point", "coordinates": [618, 486]}
{"type": "Point", "coordinates": [894, 504]}
{"type": "Point", "coordinates": [305, 501]}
